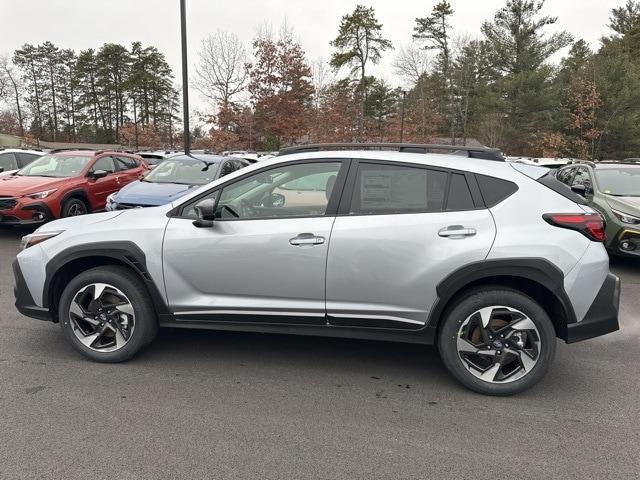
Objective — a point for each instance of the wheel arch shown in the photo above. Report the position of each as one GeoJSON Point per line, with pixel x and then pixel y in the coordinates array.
{"type": "Point", "coordinates": [78, 193]}
{"type": "Point", "coordinates": [535, 277]}
{"type": "Point", "coordinates": [70, 262]}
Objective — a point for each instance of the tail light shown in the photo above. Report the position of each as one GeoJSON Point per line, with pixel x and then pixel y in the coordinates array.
{"type": "Point", "coordinates": [591, 225]}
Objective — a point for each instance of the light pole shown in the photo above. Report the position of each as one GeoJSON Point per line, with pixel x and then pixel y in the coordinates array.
{"type": "Point", "coordinates": [185, 79]}
{"type": "Point", "coordinates": [404, 95]}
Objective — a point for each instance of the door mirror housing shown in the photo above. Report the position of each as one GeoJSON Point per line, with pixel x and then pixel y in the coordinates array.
{"type": "Point", "coordinates": [206, 212]}
{"type": "Point", "coordinates": [98, 174]}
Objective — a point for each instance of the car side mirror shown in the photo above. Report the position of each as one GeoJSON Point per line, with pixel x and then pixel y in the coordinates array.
{"type": "Point", "coordinates": [98, 174]}
{"type": "Point", "coordinates": [206, 212]}
{"type": "Point", "coordinates": [1, 169]}
{"type": "Point", "coordinates": [579, 189]}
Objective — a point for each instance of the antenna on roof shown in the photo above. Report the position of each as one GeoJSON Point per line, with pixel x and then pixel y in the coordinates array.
{"type": "Point", "coordinates": [185, 78]}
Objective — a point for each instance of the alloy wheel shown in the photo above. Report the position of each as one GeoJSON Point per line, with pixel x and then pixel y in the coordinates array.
{"type": "Point", "coordinates": [102, 317]}
{"type": "Point", "coordinates": [498, 344]}
{"type": "Point", "coordinates": [77, 209]}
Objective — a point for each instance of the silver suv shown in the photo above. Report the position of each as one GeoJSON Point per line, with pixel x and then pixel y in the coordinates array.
{"type": "Point", "coordinates": [489, 260]}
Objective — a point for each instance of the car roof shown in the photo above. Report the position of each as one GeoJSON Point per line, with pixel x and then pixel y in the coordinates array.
{"type": "Point", "coordinates": [21, 150]}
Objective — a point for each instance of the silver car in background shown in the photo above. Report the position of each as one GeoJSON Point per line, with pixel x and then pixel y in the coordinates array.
{"type": "Point", "coordinates": [490, 260]}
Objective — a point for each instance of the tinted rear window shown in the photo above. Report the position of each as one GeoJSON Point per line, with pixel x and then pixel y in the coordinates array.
{"type": "Point", "coordinates": [495, 190]}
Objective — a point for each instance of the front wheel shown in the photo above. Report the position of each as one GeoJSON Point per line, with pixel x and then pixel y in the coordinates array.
{"type": "Point", "coordinates": [106, 314]}
{"type": "Point", "coordinates": [497, 341]}
{"type": "Point", "coordinates": [74, 207]}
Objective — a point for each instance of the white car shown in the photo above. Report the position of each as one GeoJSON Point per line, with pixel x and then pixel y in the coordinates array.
{"type": "Point", "coordinates": [13, 159]}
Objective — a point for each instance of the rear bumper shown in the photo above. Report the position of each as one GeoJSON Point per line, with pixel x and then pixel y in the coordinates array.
{"type": "Point", "coordinates": [24, 300]}
{"type": "Point", "coordinates": [602, 316]}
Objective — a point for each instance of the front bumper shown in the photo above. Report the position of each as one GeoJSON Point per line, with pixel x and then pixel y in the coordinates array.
{"type": "Point", "coordinates": [31, 213]}
{"type": "Point", "coordinates": [24, 300]}
{"type": "Point", "coordinates": [602, 316]}
{"type": "Point", "coordinates": [625, 242]}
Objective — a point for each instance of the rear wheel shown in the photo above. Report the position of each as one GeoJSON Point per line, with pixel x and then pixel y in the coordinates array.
{"type": "Point", "coordinates": [497, 341]}
{"type": "Point", "coordinates": [106, 314]}
{"type": "Point", "coordinates": [74, 207]}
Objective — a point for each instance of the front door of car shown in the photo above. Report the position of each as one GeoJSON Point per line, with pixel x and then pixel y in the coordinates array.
{"type": "Point", "coordinates": [261, 259]}
{"type": "Point", "coordinates": [100, 188]}
{"type": "Point", "coordinates": [399, 233]}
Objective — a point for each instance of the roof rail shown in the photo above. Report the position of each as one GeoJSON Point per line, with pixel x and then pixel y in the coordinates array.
{"type": "Point", "coordinates": [471, 152]}
{"type": "Point", "coordinates": [587, 162]}
{"type": "Point", "coordinates": [69, 149]}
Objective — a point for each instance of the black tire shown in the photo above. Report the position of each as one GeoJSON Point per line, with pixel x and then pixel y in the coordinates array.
{"type": "Point", "coordinates": [74, 207]}
{"type": "Point", "coordinates": [146, 323]}
{"type": "Point", "coordinates": [488, 297]}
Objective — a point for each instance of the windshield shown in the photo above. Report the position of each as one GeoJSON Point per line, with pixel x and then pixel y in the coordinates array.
{"type": "Point", "coordinates": [59, 166]}
{"type": "Point", "coordinates": [620, 182]}
{"type": "Point", "coordinates": [188, 172]}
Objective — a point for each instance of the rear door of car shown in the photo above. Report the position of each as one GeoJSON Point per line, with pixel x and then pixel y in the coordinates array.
{"type": "Point", "coordinates": [129, 169]}
{"type": "Point", "coordinates": [400, 230]}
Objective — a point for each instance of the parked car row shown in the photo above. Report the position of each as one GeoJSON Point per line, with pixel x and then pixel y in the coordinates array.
{"type": "Point", "coordinates": [405, 245]}
{"type": "Point", "coordinates": [75, 182]}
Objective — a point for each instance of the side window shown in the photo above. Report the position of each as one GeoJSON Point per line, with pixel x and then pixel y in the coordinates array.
{"type": "Point", "coordinates": [8, 161]}
{"type": "Point", "coordinates": [397, 189]}
{"type": "Point", "coordinates": [228, 167]}
{"type": "Point", "coordinates": [564, 175]}
{"type": "Point", "coordinates": [459, 194]}
{"type": "Point", "coordinates": [582, 178]}
{"type": "Point", "coordinates": [266, 194]}
{"type": "Point", "coordinates": [104, 163]}
{"type": "Point", "coordinates": [25, 159]}
{"type": "Point", "coordinates": [126, 163]}
{"type": "Point", "coordinates": [495, 190]}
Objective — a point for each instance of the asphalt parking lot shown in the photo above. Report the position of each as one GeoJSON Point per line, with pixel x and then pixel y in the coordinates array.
{"type": "Point", "coordinates": [200, 404]}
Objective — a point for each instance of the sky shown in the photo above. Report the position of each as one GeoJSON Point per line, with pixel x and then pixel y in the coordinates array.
{"type": "Point", "coordinates": [81, 24]}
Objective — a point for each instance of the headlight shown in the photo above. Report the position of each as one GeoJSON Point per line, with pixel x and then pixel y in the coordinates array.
{"type": "Point", "coordinates": [45, 194]}
{"type": "Point", "coordinates": [626, 218]}
{"type": "Point", "coordinates": [36, 238]}
{"type": "Point", "coordinates": [111, 198]}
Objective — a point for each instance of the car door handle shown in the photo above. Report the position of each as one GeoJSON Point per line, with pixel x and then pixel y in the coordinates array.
{"type": "Point", "coordinates": [306, 239]}
{"type": "Point", "coordinates": [456, 231]}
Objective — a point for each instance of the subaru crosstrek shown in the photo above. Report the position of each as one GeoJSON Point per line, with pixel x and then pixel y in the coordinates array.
{"type": "Point", "coordinates": [65, 184]}
{"type": "Point", "coordinates": [173, 178]}
{"type": "Point", "coordinates": [490, 260]}
{"type": "Point", "coordinates": [613, 189]}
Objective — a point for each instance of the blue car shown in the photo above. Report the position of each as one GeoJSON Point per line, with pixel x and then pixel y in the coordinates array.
{"type": "Point", "coordinates": [172, 178]}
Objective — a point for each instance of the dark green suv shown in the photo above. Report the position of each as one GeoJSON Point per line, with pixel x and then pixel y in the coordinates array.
{"type": "Point", "coordinates": [612, 188]}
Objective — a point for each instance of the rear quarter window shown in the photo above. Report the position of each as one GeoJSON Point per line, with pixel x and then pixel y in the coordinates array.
{"type": "Point", "coordinates": [560, 188]}
{"type": "Point", "coordinates": [495, 190]}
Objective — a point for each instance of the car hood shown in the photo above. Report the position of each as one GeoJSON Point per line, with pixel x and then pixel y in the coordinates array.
{"type": "Point", "coordinates": [80, 220]}
{"type": "Point", "coordinates": [152, 194]}
{"type": "Point", "coordinates": [630, 205]}
{"type": "Point", "coordinates": [20, 185]}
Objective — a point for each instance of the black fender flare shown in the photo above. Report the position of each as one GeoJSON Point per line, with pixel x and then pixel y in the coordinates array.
{"type": "Point", "coordinates": [124, 252]}
{"type": "Point", "coordinates": [538, 270]}
{"type": "Point", "coordinates": [79, 193]}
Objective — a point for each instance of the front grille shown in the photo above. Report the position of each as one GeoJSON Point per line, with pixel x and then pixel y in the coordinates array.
{"type": "Point", "coordinates": [7, 203]}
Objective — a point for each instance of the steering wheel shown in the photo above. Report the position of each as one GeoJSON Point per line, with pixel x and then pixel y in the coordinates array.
{"type": "Point", "coordinates": [247, 209]}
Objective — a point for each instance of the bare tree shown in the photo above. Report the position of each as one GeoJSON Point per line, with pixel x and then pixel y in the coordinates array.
{"type": "Point", "coordinates": [10, 87]}
{"type": "Point", "coordinates": [222, 72]}
{"type": "Point", "coordinates": [411, 63]}
{"type": "Point", "coordinates": [322, 77]}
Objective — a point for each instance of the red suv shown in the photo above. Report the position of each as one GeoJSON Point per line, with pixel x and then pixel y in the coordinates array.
{"type": "Point", "coordinates": [64, 184]}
